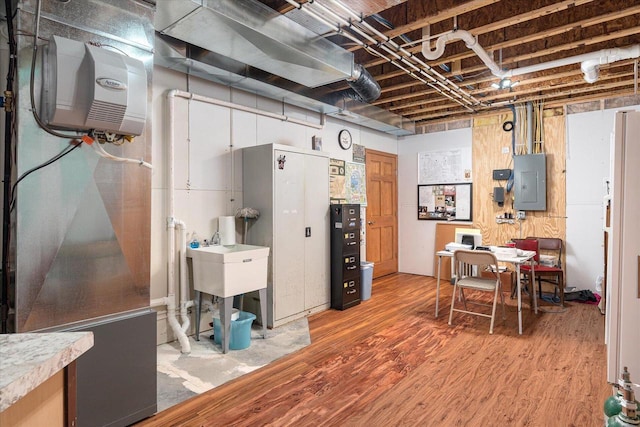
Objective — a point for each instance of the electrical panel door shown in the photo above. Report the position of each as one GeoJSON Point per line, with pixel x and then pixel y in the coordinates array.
{"type": "Point", "coordinates": [530, 182]}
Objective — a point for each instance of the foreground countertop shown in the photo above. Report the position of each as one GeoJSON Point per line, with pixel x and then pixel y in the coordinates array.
{"type": "Point", "coordinates": [28, 360]}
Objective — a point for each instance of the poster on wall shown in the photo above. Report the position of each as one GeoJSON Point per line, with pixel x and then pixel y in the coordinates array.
{"type": "Point", "coordinates": [337, 187]}
{"type": "Point", "coordinates": [347, 182]}
{"type": "Point", "coordinates": [359, 153]}
{"type": "Point", "coordinates": [444, 166]}
{"type": "Point", "coordinates": [445, 202]}
{"type": "Point", "coordinates": [356, 183]}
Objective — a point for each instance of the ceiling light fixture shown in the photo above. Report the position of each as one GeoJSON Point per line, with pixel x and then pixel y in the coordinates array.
{"type": "Point", "coordinates": [504, 84]}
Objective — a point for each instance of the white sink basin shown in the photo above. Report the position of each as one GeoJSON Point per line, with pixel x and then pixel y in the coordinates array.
{"type": "Point", "coordinates": [226, 271]}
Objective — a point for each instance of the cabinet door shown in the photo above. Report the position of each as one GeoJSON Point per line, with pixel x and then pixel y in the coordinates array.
{"type": "Point", "coordinates": [316, 251]}
{"type": "Point", "coordinates": [288, 238]}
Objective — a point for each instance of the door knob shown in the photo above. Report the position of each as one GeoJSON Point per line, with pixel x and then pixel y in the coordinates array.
{"type": "Point", "coordinates": [371, 222]}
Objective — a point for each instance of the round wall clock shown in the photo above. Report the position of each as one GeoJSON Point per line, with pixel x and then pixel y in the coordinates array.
{"type": "Point", "coordinates": [344, 138]}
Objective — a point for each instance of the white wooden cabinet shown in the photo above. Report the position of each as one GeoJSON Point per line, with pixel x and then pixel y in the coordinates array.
{"type": "Point", "coordinates": [290, 188]}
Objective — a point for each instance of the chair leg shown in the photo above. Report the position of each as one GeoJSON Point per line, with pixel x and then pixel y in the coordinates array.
{"type": "Point", "coordinates": [493, 310]}
{"type": "Point", "coordinates": [453, 301]}
{"type": "Point", "coordinates": [561, 286]}
{"type": "Point", "coordinates": [532, 283]}
{"type": "Point", "coordinates": [504, 313]}
{"type": "Point", "coordinates": [540, 286]}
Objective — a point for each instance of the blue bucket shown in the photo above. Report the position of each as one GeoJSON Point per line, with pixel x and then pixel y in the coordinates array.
{"type": "Point", "coordinates": [240, 331]}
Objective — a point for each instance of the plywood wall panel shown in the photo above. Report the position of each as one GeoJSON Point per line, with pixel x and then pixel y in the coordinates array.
{"type": "Point", "coordinates": [489, 144]}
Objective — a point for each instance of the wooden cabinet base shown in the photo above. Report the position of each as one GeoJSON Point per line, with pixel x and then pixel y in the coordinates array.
{"type": "Point", "coordinates": [44, 406]}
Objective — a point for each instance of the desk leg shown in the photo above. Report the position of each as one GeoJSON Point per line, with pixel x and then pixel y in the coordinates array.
{"type": "Point", "coordinates": [198, 313]}
{"type": "Point", "coordinates": [519, 290]}
{"type": "Point", "coordinates": [225, 322]}
{"type": "Point", "coordinates": [263, 310]}
{"type": "Point", "coordinates": [438, 285]}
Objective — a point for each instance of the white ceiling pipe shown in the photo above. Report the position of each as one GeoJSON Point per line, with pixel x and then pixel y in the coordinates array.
{"type": "Point", "coordinates": [591, 67]}
{"type": "Point", "coordinates": [605, 56]}
{"type": "Point", "coordinates": [470, 41]}
{"type": "Point", "coordinates": [590, 61]}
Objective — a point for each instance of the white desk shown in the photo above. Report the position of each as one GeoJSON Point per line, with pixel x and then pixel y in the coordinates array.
{"type": "Point", "coordinates": [517, 261]}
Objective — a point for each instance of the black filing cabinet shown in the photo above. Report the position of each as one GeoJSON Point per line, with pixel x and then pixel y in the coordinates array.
{"type": "Point", "coordinates": [345, 256]}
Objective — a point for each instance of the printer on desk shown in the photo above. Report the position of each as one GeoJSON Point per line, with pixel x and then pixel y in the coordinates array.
{"type": "Point", "coordinates": [464, 240]}
{"type": "Point", "coordinates": [453, 246]}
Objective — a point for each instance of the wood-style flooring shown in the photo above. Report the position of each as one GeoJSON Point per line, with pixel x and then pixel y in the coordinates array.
{"type": "Point", "coordinates": [390, 362]}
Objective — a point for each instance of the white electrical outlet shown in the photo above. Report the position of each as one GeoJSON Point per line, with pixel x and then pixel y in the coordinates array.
{"type": "Point", "coordinates": [520, 215]}
{"type": "Point", "coordinates": [505, 150]}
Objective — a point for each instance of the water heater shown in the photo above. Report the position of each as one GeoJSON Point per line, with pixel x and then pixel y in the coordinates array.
{"type": "Point", "coordinates": [89, 87]}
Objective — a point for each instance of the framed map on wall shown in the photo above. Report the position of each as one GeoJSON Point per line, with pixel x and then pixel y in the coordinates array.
{"type": "Point", "coordinates": [445, 202]}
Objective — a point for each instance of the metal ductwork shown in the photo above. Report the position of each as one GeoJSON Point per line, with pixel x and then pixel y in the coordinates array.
{"type": "Point", "coordinates": [365, 86]}
{"type": "Point", "coordinates": [348, 106]}
{"type": "Point", "coordinates": [246, 45]}
{"type": "Point", "coordinates": [252, 33]}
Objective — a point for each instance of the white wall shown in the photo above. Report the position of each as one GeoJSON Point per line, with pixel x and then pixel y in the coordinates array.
{"type": "Point", "coordinates": [416, 239]}
{"type": "Point", "coordinates": [203, 182]}
{"type": "Point", "coordinates": [587, 166]}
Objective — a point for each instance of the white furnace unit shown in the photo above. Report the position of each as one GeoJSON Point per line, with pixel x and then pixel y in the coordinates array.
{"type": "Point", "coordinates": [88, 87]}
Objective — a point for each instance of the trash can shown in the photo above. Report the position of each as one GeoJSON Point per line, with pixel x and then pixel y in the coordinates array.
{"type": "Point", "coordinates": [240, 331]}
{"type": "Point", "coordinates": [366, 278]}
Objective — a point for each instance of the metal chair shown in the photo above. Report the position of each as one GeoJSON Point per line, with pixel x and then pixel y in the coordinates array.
{"type": "Point", "coordinates": [468, 265]}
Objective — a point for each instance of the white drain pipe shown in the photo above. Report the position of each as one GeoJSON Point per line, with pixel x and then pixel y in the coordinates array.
{"type": "Point", "coordinates": [170, 300]}
{"type": "Point", "coordinates": [590, 61]}
{"type": "Point", "coordinates": [185, 302]}
{"type": "Point", "coordinates": [591, 67]}
{"type": "Point", "coordinates": [172, 222]}
{"type": "Point", "coordinates": [466, 37]}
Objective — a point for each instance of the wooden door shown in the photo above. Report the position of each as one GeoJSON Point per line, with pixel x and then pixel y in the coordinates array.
{"type": "Point", "coordinates": [382, 212]}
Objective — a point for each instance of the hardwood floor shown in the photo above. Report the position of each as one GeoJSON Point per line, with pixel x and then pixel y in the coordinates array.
{"type": "Point", "coordinates": [389, 362]}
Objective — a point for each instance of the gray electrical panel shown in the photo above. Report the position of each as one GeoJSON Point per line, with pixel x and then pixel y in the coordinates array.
{"type": "Point", "coordinates": [530, 182]}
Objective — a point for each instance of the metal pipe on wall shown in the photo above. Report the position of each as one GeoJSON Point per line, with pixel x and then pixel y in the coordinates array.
{"type": "Point", "coordinates": [529, 127]}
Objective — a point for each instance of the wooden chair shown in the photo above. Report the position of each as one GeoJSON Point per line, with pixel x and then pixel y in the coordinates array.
{"type": "Point", "coordinates": [468, 265]}
{"type": "Point", "coordinates": [553, 273]}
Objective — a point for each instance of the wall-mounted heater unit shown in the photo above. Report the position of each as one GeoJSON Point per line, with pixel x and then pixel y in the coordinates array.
{"type": "Point", "coordinates": [88, 87]}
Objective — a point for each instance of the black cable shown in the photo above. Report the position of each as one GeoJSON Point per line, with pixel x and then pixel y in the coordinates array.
{"type": "Point", "coordinates": [8, 143]}
{"type": "Point", "coordinates": [507, 126]}
{"type": "Point", "coordinates": [55, 158]}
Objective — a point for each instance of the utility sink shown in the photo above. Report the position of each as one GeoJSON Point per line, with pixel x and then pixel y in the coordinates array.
{"type": "Point", "coordinates": [226, 271]}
